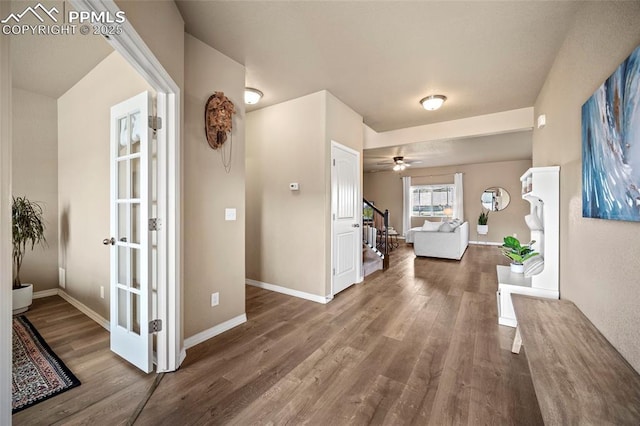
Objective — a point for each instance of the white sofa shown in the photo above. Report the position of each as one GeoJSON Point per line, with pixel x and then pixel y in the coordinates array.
{"type": "Point", "coordinates": [447, 245]}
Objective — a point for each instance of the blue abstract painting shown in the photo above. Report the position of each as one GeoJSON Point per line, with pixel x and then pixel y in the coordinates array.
{"type": "Point", "coordinates": [611, 146]}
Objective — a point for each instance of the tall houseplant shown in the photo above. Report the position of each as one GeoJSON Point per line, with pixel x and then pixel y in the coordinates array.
{"type": "Point", "coordinates": [483, 228]}
{"type": "Point", "coordinates": [28, 230]}
{"type": "Point", "coordinates": [517, 253]}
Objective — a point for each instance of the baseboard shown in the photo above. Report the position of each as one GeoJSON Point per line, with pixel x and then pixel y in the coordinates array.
{"type": "Point", "coordinates": [290, 292]}
{"type": "Point", "coordinates": [85, 309]}
{"type": "Point", "coordinates": [45, 293]}
{"type": "Point", "coordinates": [485, 243]}
{"type": "Point", "coordinates": [190, 342]}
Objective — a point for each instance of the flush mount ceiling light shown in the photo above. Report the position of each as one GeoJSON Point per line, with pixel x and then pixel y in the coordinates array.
{"type": "Point", "coordinates": [252, 96]}
{"type": "Point", "coordinates": [432, 102]}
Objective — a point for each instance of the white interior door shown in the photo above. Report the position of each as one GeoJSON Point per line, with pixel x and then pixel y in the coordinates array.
{"type": "Point", "coordinates": [346, 216]}
{"type": "Point", "coordinates": [129, 241]}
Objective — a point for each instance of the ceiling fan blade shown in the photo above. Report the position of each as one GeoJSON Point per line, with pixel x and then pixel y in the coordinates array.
{"type": "Point", "coordinates": [385, 163]}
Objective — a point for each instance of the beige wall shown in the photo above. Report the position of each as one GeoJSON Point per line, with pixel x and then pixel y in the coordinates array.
{"type": "Point", "coordinates": [385, 189]}
{"type": "Point", "coordinates": [35, 175]}
{"type": "Point", "coordinates": [83, 176]}
{"type": "Point", "coordinates": [599, 266]}
{"type": "Point", "coordinates": [289, 232]}
{"type": "Point", "coordinates": [286, 230]}
{"type": "Point", "coordinates": [160, 25]}
{"type": "Point", "coordinates": [214, 249]}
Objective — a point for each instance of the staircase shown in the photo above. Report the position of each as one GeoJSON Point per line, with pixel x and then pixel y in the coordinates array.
{"type": "Point", "coordinates": [375, 234]}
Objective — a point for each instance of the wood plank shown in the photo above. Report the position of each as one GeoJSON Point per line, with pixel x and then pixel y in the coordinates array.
{"type": "Point", "coordinates": [578, 375]}
{"type": "Point", "coordinates": [416, 344]}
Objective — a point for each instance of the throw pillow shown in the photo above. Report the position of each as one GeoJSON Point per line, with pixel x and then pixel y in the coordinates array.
{"type": "Point", "coordinates": [446, 227]}
{"type": "Point", "coordinates": [430, 226]}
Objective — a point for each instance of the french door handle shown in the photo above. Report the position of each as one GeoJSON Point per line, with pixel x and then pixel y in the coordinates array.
{"type": "Point", "coordinates": [109, 241]}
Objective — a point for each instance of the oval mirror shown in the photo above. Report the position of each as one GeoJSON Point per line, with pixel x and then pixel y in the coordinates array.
{"type": "Point", "coordinates": [495, 199]}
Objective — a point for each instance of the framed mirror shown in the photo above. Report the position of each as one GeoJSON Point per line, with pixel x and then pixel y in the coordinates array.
{"type": "Point", "coordinates": [495, 199]}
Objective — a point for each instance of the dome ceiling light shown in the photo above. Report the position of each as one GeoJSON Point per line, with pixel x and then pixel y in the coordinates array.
{"type": "Point", "coordinates": [252, 96]}
{"type": "Point", "coordinates": [433, 102]}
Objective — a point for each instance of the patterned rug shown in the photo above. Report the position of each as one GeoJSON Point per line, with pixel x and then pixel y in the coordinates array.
{"type": "Point", "coordinates": [38, 374]}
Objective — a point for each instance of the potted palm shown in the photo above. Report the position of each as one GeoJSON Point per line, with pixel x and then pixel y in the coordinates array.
{"type": "Point", "coordinates": [28, 230]}
{"type": "Point", "coordinates": [517, 253]}
{"type": "Point", "coordinates": [483, 228]}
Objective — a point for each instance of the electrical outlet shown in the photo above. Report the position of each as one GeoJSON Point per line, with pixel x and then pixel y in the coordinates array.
{"type": "Point", "coordinates": [215, 299]}
{"type": "Point", "coordinates": [515, 235]}
{"type": "Point", "coordinates": [102, 292]}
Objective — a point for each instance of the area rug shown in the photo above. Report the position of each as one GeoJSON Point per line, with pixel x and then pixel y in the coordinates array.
{"type": "Point", "coordinates": [38, 373]}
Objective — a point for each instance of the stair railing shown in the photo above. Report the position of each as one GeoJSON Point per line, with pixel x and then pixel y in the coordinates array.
{"type": "Point", "coordinates": [375, 232]}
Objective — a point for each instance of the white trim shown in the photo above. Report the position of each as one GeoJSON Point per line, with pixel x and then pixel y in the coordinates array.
{"type": "Point", "coordinates": [104, 323]}
{"type": "Point", "coordinates": [205, 335]}
{"type": "Point", "coordinates": [485, 243]}
{"type": "Point", "coordinates": [131, 46]}
{"type": "Point", "coordinates": [45, 293]}
{"type": "Point", "coordinates": [290, 292]}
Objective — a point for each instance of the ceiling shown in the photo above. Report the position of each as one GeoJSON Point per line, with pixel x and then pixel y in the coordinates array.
{"type": "Point", "coordinates": [484, 149]}
{"type": "Point", "coordinates": [378, 57]}
{"type": "Point", "coordinates": [51, 65]}
{"type": "Point", "coordinates": [382, 57]}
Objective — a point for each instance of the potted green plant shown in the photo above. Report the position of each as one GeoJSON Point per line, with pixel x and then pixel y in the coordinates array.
{"type": "Point", "coordinates": [28, 230]}
{"type": "Point", "coordinates": [483, 228]}
{"type": "Point", "coordinates": [517, 253]}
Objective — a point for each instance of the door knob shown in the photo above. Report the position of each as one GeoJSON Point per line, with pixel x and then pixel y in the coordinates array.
{"type": "Point", "coordinates": [108, 241]}
{"type": "Point", "coordinates": [356, 225]}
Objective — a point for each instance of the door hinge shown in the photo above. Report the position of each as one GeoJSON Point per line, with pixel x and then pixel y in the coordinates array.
{"type": "Point", "coordinates": [334, 161]}
{"type": "Point", "coordinates": [155, 326]}
{"type": "Point", "coordinates": [334, 271]}
{"type": "Point", "coordinates": [155, 122]}
{"type": "Point", "coordinates": [154, 224]}
{"type": "Point", "coordinates": [334, 216]}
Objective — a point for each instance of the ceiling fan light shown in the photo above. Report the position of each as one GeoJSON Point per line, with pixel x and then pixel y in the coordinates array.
{"type": "Point", "coordinates": [397, 168]}
{"type": "Point", "coordinates": [252, 96]}
{"type": "Point", "coordinates": [433, 102]}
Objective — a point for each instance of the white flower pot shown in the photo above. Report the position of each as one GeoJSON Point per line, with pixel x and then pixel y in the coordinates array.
{"type": "Point", "coordinates": [22, 298]}
{"type": "Point", "coordinates": [483, 229]}
{"type": "Point", "coordinates": [517, 268]}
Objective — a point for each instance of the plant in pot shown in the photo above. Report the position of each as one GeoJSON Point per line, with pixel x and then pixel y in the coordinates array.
{"type": "Point", "coordinates": [517, 253]}
{"type": "Point", "coordinates": [28, 230]}
{"type": "Point", "coordinates": [483, 228]}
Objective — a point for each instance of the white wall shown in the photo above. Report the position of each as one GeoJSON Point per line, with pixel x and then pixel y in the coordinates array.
{"type": "Point", "coordinates": [214, 249]}
{"type": "Point", "coordinates": [35, 175]}
{"type": "Point", "coordinates": [84, 176]}
{"type": "Point", "coordinates": [599, 266]}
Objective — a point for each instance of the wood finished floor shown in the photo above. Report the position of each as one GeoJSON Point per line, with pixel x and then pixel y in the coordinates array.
{"type": "Point", "coordinates": [417, 344]}
{"type": "Point", "coordinates": [111, 388]}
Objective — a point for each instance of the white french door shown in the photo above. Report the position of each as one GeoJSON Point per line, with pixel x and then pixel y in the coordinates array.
{"type": "Point", "coordinates": [346, 217]}
{"type": "Point", "coordinates": [129, 241]}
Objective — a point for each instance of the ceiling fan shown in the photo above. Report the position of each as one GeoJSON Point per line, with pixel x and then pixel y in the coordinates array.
{"type": "Point", "coordinates": [399, 163]}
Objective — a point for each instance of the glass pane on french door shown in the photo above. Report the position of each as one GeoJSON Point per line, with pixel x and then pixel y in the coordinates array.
{"type": "Point", "coordinates": [128, 226]}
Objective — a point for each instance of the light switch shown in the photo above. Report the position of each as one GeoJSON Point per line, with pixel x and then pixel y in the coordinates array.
{"type": "Point", "coordinates": [229, 214]}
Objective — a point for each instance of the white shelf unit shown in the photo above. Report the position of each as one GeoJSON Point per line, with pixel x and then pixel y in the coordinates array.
{"type": "Point", "coordinates": [541, 188]}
